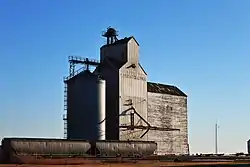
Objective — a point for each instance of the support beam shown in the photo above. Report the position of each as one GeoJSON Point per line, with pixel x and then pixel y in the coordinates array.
{"type": "Point", "coordinates": [147, 128]}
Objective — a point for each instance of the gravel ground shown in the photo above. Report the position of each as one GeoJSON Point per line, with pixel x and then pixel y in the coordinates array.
{"type": "Point", "coordinates": [152, 164]}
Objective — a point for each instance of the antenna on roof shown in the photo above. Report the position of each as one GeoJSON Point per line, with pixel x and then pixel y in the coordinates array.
{"type": "Point", "coordinates": [111, 35]}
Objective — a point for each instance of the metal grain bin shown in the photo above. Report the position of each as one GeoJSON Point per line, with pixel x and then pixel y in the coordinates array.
{"type": "Point", "coordinates": [126, 148]}
{"type": "Point", "coordinates": [86, 107]}
{"type": "Point", "coordinates": [45, 147]}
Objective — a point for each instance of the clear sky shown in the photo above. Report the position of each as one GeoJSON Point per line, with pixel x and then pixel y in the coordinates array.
{"type": "Point", "coordinates": [203, 47]}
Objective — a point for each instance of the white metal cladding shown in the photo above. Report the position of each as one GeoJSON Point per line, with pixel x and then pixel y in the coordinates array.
{"type": "Point", "coordinates": [101, 108]}
{"type": "Point", "coordinates": [168, 111]}
{"type": "Point", "coordinates": [132, 93]}
{"type": "Point", "coordinates": [46, 147]}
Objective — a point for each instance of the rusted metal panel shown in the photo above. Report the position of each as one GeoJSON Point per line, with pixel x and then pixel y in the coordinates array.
{"type": "Point", "coordinates": [126, 148]}
{"type": "Point", "coordinates": [45, 147]}
{"type": "Point", "coordinates": [168, 111]}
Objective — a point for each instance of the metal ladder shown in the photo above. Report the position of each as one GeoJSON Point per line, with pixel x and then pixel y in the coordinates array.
{"type": "Point", "coordinates": [65, 110]}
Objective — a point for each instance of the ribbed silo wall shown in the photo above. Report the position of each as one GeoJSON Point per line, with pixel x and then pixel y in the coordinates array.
{"type": "Point", "coordinates": [37, 150]}
{"type": "Point", "coordinates": [86, 107]}
{"type": "Point", "coordinates": [62, 151]}
{"type": "Point", "coordinates": [126, 148]}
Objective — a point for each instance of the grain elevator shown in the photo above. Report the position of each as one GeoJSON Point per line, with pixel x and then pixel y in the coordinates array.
{"type": "Point", "coordinates": [116, 102]}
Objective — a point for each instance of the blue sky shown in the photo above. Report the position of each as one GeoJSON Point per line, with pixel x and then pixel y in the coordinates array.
{"type": "Point", "coordinates": [203, 47]}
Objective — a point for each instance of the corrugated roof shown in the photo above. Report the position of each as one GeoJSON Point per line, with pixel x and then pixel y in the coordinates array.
{"type": "Point", "coordinates": [164, 89]}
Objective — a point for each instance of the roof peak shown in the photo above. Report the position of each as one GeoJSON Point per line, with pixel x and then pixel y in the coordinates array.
{"type": "Point", "coordinates": [125, 40]}
{"type": "Point", "coordinates": [120, 42]}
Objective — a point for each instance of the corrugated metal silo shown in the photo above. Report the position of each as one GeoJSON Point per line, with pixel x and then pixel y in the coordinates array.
{"type": "Point", "coordinates": [86, 107]}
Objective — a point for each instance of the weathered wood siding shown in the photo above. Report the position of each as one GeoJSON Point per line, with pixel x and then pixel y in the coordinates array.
{"type": "Point", "coordinates": [132, 93]}
{"type": "Point", "coordinates": [126, 83]}
{"type": "Point", "coordinates": [168, 111]}
{"type": "Point", "coordinates": [133, 51]}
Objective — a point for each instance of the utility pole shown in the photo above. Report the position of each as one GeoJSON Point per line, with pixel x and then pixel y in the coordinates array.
{"type": "Point", "coordinates": [216, 138]}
